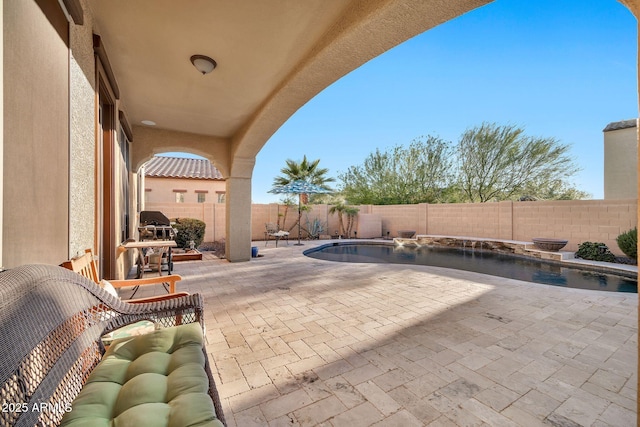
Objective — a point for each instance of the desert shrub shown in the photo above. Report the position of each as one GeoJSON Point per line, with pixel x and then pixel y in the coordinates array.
{"type": "Point", "coordinates": [595, 251]}
{"type": "Point", "coordinates": [189, 229]}
{"type": "Point", "coordinates": [628, 243]}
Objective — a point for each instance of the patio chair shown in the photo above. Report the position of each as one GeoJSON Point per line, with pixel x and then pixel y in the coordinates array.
{"type": "Point", "coordinates": [86, 266]}
{"type": "Point", "coordinates": [273, 231]}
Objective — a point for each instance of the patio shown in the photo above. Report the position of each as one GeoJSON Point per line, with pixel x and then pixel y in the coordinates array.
{"type": "Point", "coordinates": [298, 341]}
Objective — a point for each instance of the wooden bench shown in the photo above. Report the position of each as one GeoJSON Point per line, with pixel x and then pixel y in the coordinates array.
{"type": "Point", "coordinates": [51, 324]}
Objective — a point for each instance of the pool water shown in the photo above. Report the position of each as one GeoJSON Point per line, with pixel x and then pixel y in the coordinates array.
{"type": "Point", "coordinates": [479, 261]}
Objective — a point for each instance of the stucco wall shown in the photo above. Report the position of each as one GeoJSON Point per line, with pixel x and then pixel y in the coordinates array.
{"type": "Point", "coordinates": [161, 190]}
{"type": "Point", "coordinates": [36, 109]}
{"type": "Point", "coordinates": [49, 137]}
{"type": "Point", "coordinates": [620, 160]}
{"type": "Point", "coordinates": [82, 139]}
{"type": "Point", "coordinates": [575, 220]}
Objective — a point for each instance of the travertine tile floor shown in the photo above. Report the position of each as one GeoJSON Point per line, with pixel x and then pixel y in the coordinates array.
{"type": "Point", "coordinates": [301, 342]}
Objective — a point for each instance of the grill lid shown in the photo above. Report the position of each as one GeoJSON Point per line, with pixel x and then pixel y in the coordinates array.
{"type": "Point", "coordinates": [153, 218]}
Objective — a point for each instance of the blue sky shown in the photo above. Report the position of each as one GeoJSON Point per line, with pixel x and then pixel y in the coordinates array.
{"type": "Point", "coordinates": [561, 69]}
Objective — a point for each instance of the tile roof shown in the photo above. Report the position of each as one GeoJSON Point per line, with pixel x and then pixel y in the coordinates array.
{"type": "Point", "coordinates": [176, 167]}
{"type": "Point", "coordinates": [624, 124]}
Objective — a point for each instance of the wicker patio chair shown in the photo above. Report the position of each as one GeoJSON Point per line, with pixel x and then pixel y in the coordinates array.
{"type": "Point", "coordinates": [51, 324]}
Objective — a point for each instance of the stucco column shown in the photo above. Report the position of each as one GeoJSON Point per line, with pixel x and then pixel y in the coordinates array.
{"type": "Point", "coordinates": [238, 210]}
{"type": "Point", "coordinates": [634, 7]}
{"type": "Point", "coordinates": [238, 224]}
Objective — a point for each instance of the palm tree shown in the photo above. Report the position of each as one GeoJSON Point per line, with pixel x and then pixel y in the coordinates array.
{"type": "Point", "coordinates": [339, 209]}
{"type": "Point", "coordinates": [304, 170]}
{"type": "Point", "coordinates": [287, 201]}
{"type": "Point", "coordinates": [350, 211]}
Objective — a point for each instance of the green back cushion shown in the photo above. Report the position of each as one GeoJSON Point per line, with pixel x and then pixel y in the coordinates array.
{"type": "Point", "coordinates": [157, 379]}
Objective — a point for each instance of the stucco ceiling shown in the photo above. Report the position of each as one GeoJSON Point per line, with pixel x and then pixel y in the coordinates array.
{"type": "Point", "coordinates": [272, 55]}
{"type": "Point", "coordinates": [149, 43]}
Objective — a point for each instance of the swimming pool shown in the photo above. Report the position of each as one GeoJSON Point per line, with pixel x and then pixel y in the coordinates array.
{"type": "Point", "coordinates": [479, 261]}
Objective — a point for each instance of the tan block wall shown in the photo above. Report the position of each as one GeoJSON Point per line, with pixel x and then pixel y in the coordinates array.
{"type": "Point", "coordinates": [260, 215]}
{"type": "Point", "coordinates": [213, 215]}
{"type": "Point", "coordinates": [505, 220]}
{"type": "Point", "coordinates": [575, 220]}
{"type": "Point", "coordinates": [369, 226]}
{"type": "Point", "coordinates": [321, 212]}
{"type": "Point", "coordinates": [399, 217]}
{"type": "Point", "coordinates": [465, 219]}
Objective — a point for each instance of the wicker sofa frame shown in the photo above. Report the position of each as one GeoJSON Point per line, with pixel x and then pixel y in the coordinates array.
{"type": "Point", "coordinates": [51, 322]}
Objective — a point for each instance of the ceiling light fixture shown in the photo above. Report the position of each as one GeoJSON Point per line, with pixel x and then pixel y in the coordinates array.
{"type": "Point", "coordinates": [204, 64]}
{"type": "Point", "coordinates": [148, 122]}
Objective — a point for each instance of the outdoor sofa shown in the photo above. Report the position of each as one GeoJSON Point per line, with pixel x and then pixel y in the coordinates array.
{"type": "Point", "coordinates": [55, 369]}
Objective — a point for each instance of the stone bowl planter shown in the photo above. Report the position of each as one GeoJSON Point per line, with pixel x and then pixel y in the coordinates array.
{"type": "Point", "coordinates": [546, 244]}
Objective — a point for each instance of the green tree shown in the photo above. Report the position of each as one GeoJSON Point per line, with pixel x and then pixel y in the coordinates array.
{"type": "Point", "coordinates": [403, 175]}
{"type": "Point", "coordinates": [553, 190]}
{"type": "Point", "coordinates": [502, 163]}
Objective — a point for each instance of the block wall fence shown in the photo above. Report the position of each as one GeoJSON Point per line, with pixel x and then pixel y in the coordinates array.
{"type": "Point", "coordinates": [574, 220]}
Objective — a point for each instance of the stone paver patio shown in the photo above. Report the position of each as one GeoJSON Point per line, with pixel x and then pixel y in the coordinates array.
{"type": "Point", "coordinates": [295, 341]}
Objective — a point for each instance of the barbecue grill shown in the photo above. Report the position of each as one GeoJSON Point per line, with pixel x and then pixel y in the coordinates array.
{"type": "Point", "coordinates": [154, 225]}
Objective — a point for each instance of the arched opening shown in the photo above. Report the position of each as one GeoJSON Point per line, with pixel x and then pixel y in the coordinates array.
{"type": "Point", "coordinates": [184, 185]}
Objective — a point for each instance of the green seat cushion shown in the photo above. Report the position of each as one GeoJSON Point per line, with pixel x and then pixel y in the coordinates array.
{"type": "Point", "coordinates": [157, 379]}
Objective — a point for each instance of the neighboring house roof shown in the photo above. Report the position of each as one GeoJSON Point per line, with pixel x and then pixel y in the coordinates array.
{"type": "Point", "coordinates": [624, 124]}
{"type": "Point", "coordinates": [176, 167]}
